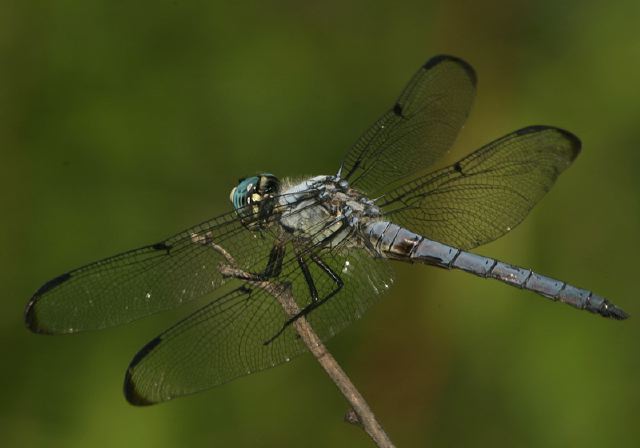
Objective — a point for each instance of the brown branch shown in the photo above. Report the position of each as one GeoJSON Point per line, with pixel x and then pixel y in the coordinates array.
{"type": "Point", "coordinates": [360, 414]}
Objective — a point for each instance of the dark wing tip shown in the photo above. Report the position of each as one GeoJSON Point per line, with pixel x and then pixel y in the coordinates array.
{"type": "Point", "coordinates": [131, 393]}
{"type": "Point", "coordinates": [144, 351]}
{"type": "Point", "coordinates": [436, 60]}
{"type": "Point", "coordinates": [30, 315]}
{"type": "Point", "coordinates": [31, 318]}
{"type": "Point", "coordinates": [576, 144]}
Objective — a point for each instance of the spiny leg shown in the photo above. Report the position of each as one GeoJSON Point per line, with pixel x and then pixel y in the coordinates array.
{"type": "Point", "coordinates": [274, 265]}
{"type": "Point", "coordinates": [313, 292]}
{"type": "Point", "coordinates": [315, 303]}
{"type": "Point", "coordinates": [336, 279]}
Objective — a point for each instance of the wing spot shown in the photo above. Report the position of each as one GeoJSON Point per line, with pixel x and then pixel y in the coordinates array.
{"type": "Point", "coordinates": [162, 246]}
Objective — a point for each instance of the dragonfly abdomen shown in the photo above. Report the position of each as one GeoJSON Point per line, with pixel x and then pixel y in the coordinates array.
{"type": "Point", "coordinates": [393, 241]}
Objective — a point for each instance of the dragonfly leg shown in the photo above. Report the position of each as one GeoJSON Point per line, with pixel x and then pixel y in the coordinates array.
{"type": "Point", "coordinates": [336, 279]}
{"type": "Point", "coordinates": [315, 303]}
{"type": "Point", "coordinates": [274, 265]}
{"type": "Point", "coordinates": [308, 278]}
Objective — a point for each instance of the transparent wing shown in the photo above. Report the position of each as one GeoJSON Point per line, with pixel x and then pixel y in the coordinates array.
{"type": "Point", "coordinates": [487, 193]}
{"type": "Point", "coordinates": [417, 130]}
{"type": "Point", "coordinates": [226, 338]}
{"type": "Point", "coordinates": [144, 281]}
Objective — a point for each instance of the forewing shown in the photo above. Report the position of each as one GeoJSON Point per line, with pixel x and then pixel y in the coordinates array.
{"type": "Point", "coordinates": [144, 281]}
{"type": "Point", "coordinates": [226, 339]}
{"type": "Point", "coordinates": [417, 130]}
{"type": "Point", "coordinates": [487, 193]}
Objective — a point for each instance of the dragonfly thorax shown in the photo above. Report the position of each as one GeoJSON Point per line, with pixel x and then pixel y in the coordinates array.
{"type": "Point", "coordinates": [324, 208]}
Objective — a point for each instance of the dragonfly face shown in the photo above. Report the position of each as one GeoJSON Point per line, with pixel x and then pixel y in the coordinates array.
{"type": "Point", "coordinates": [325, 240]}
{"type": "Point", "coordinates": [254, 197]}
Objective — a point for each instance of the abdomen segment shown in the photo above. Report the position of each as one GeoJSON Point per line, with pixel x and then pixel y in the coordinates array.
{"type": "Point", "coordinates": [392, 241]}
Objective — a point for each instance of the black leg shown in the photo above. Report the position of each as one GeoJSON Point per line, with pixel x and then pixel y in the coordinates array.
{"type": "Point", "coordinates": [308, 278]}
{"type": "Point", "coordinates": [274, 265]}
{"type": "Point", "coordinates": [315, 303]}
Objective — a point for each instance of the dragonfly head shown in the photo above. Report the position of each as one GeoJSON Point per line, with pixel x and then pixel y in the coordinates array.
{"type": "Point", "coordinates": [254, 197]}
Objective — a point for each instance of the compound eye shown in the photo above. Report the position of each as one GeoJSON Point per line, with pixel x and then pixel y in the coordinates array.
{"type": "Point", "coordinates": [242, 194]}
{"type": "Point", "coordinates": [253, 197]}
{"type": "Point", "coordinates": [268, 184]}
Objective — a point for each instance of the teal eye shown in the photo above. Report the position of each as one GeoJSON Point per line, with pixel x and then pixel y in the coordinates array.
{"type": "Point", "coordinates": [241, 195]}
{"type": "Point", "coordinates": [254, 197]}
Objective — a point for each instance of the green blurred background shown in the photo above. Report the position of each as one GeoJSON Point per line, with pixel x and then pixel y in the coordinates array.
{"type": "Point", "coordinates": [122, 123]}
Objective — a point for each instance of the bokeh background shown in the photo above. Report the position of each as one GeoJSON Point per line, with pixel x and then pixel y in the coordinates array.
{"type": "Point", "coordinates": [124, 122]}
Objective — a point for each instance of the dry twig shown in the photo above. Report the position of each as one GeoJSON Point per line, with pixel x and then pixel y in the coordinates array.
{"type": "Point", "coordinates": [360, 414]}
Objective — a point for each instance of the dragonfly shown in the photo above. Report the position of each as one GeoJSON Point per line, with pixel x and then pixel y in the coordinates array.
{"type": "Point", "coordinates": [328, 238]}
